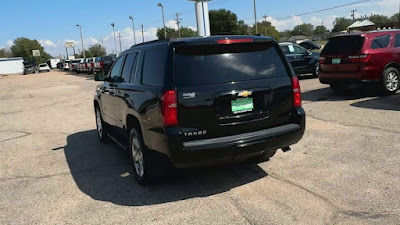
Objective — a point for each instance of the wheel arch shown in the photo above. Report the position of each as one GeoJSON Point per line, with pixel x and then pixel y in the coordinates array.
{"type": "Point", "coordinates": [392, 64]}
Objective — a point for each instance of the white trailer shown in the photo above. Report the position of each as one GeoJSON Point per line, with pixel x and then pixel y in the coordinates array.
{"type": "Point", "coordinates": [11, 65]}
{"type": "Point", "coordinates": [53, 63]}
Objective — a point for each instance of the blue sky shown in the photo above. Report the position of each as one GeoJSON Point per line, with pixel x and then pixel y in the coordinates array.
{"type": "Point", "coordinates": [53, 22]}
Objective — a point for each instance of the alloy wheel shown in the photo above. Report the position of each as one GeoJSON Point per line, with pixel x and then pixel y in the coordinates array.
{"type": "Point", "coordinates": [99, 124]}
{"type": "Point", "coordinates": [137, 155]}
{"type": "Point", "coordinates": [392, 81]}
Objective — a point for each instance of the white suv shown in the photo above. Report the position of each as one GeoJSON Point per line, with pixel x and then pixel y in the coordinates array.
{"type": "Point", "coordinates": [43, 67]}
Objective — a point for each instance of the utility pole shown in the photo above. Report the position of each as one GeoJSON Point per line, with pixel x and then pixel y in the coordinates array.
{"type": "Point", "coordinates": [133, 25]}
{"type": "Point", "coordinates": [120, 46]}
{"type": "Point", "coordinates": [163, 19]}
{"type": "Point", "coordinates": [83, 49]}
{"type": "Point", "coordinates": [266, 25]}
{"type": "Point", "coordinates": [115, 40]}
{"type": "Point", "coordinates": [142, 33]}
{"type": "Point", "coordinates": [352, 13]}
{"type": "Point", "coordinates": [178, 23]}
{"type": "Point", "coordinates": [255, 16]}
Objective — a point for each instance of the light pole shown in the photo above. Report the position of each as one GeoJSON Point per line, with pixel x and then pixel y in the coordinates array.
{"type": "Point", "coordinates": [83, 49]}
{"type": "Point", "coordinates": [115, 40]}
{"type": "Point", "coordinates": [163, 19]}
{"type": "Point", "coordinates": [255, 16]}
{"type": "Point", "coordinates": [133, 25]}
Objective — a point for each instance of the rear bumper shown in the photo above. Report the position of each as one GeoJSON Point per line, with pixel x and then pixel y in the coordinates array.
{"type": "Point", "coordinates": [236, 148]}
{"type": "Point", "coordinates": [367, 74]}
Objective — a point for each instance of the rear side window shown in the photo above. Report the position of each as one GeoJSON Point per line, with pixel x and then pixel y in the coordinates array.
{"type": "Point", "coordinates": [381, 42]}
{"type": "Point", "coordinates": [344, 45]}
{"type": "Point", "coordinates": [127, 70]}
{"type": "Point", "coordinates": [211, 64]}
{"type": "Point", "coordinates": [397, 40]}
{"type": "Point", "coordinates": [116, 70]}
{"type": "Point", "coordinates": [154, 67]}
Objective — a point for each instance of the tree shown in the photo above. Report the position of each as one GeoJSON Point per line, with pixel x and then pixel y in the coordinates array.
{"type": "Point", "coordinates": [5, 53]}
{"type": "Point", "coordinates": [223, 21]}
{"type": "Point", "coordinates": [379, 19]}
{"type": "Point", "coordinates": [172, 33]}
{"type": "Point", "coordinates": [321, 29]}
{"type": "Point", "coordinates": [395, 18]}
{"type": "Point", "coordinates": [96, 50]}
{"type": "Point", "coordinates": [23, 47]}
{"type": "Point", "coordinates": [303, 29]}
{"type": "Point", "coordinates": [285, 34]}
{"type": "Point", "coordinates": [340, 24]}
{"type": "Point", "coordinates": [265, 28]}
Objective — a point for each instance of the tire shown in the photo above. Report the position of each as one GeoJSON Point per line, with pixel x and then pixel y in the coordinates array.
{"type": "Point", "coordinates": [146, 166]}
{"type": "Point", "coordinates": [101, 126]}
{"type": "Point", "coordinates": [339, 87]}
{"type": "Point", "coordinates": [316, 70]}
{"type": "Point", "coordinates": [390, 80]}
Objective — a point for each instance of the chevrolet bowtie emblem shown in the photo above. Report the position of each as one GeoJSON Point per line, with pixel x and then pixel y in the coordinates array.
{"type": "Point", "coordinates": [245, 93]}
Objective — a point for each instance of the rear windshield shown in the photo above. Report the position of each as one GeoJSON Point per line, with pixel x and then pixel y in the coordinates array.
{"type": "Point", "coordinates": [76, 61]}
{"type": "Point", "coordinates": [211, 64]}
{"type": "Point", "coordinates": [344, 45]}
{"type": "Point", "coordinates": [43, 65]}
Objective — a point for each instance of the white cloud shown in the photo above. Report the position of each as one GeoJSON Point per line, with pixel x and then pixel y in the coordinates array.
{"type": "Point", "coordinates": [10, 43]}
{"type": "Point", "coordinates": [47, 43]}
{"type": "Point", "coordinates": [171, 24]}
{"type": "Point", "coordinates": [285, 24]}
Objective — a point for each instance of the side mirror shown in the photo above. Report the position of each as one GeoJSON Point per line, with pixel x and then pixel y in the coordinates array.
{"type": "Point", "coordinates": [309, 53]}
{"type": "Point", "coordinates": [100, 77]}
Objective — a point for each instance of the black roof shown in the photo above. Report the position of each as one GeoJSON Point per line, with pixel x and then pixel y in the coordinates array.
{"type": "Point", "coordinates": [203, 40]}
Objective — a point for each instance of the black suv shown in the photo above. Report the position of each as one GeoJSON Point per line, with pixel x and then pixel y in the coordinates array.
{"type": "Point", "coordinates": [200, 101]}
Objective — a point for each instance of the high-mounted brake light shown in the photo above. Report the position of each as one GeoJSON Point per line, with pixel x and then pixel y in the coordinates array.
{"type": "Point", "coordinates": [233, 41]}
{"type": "Point", "coordinates": [169, 108]}
{"type": "Point", "coordinates": [296, 92]}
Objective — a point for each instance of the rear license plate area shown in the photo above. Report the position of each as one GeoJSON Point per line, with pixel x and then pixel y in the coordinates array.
{"type": "Point", "coordinates": [336, 60]}
{"type": "Point", "coordinates": [242, 105]}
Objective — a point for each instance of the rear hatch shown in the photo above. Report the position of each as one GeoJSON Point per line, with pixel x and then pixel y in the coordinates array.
{"type": "Point", "coordinates": [343, 54]}
{"type": "Point", "coordinates": [229, 89]}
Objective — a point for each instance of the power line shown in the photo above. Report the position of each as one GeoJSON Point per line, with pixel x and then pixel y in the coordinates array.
{"type": "Point", "coordinates": [326, 9]}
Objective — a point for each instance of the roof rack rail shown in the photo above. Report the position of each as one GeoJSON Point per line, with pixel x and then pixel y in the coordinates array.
{"type": "Point", "coordinates": [153, 42]}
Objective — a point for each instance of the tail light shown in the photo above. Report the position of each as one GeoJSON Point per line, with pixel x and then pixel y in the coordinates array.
{"type": "Point", "coordinates": [321, 60]}
{"type": "Point", "coordinates": [233, 41]}
{"type": "Point", "coordinates": [169, 108]}
{"type": "Point", "coordinates": [360, 58]}
{"type": "Point", "coordinates": [101, 64]}
{"type": "Point", "coordinates": [296, 92]}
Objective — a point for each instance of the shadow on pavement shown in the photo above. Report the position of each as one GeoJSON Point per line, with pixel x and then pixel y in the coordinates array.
{"type": "Point", "coordinates": [72, 73]}
{"type": "Point", "coordinates": [100, 171]}
{"type": "Point", "coordinates": [379, 99]}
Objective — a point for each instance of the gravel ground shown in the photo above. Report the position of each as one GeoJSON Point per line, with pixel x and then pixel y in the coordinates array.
{"type": "Point", "coordinates": [53, 170]}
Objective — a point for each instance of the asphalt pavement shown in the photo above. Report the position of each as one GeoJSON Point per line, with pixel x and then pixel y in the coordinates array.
{"type": "Point", "coordinates": [53, 169]}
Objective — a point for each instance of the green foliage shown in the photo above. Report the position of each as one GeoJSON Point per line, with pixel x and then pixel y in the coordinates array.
{"type": "Point", "coordinates": [379, 19]}
{"type": "Point", "coordinates": [303, 29]}
{"type": "Point", "coordinates": [185, 32]}
{"type": "Point", "coordinates": [96, 50]}
{"type": "Point", "coordinates": [320, 29]}
{"type": "Point", "coordinates": [340, 24]}
{"type": "Point", "coordinates": [5, 53]}
{"type": "Point", "coordinates": [223, 22]}
{"type": "Point", "coordinates": [23, 47]}
{"type": "Point", "coordinates": [266, 29]}
{"type": "Point", "coordinates": [395, 18]}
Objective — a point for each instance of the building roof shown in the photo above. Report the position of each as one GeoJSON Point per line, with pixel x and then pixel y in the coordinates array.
{"type": "Point", "coordinates": [297, 37]}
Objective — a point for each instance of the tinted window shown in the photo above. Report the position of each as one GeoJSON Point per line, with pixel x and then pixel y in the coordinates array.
{"type": "Point", "coordinates": [200, 65]}
{"type": "Point", "coordinates": [127, 70]}
{"type": "Point", "coordinates": [344, 45]}
{"type": "Point", "coordinates": [299, 50]}
{"type": "Point", "coordinates": [285, 49]}
{"type": "Point", "coordinates": [154, 67]}
{"type": "Point", "coordinates": [116, 70]}
{"type": "Point", "coordinates": [397, 40]}
{"type": "Point", "coordinates": [381, 42]}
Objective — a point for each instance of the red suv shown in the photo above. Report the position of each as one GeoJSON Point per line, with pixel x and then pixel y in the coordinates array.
{"type": "Point", "coordinates": [361, 58]}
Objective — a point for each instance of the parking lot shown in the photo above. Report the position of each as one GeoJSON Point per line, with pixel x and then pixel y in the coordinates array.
{"type": "Point", "coordinates": [53, 169]}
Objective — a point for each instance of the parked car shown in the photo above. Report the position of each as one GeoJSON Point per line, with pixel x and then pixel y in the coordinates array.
{"type": "Point", "coordinates": [59, 65]}
{"type": "Point", "coordinates": [362, 58]}
{"type": "Point", "coordinates": [66, 65]}
{"type": "Point", "coordinates": [302, 60]}
{"type": "Point", "coordinates": [75, 64]}
{"type": "Point", "coordinates": [199, 101]}
{"type": "Point", "coordinates": [43, 67]}
{"type": "Point", "coordinates": [29, 68]}
{"type": "Point", "coordinates": [90, 65]}
{"type": "Point", "coordinates": [103, 64]}
{"type": "Point", "coordinates": [310, 45]}
{"type": "Point", "coordinates": [82, 66]}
